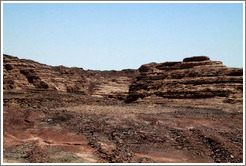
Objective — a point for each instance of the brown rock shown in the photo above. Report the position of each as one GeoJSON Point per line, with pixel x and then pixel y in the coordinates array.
{"type": "Point", "coordinates": [28, 74]}
{"type": "Point", "coordinates": [196, 58]}
{"type": "Point", "coordinates": [195, 77]}
{"type": "Point", "coordinates": [146, 67]}
{"type": "Point", "coordinates": [8, 67]}
{"type": "Point", "coordinates": [145, 160]}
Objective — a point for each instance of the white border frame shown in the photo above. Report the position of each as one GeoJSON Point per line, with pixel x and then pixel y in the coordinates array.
{"type": "Point", "coordinates": [122, 1]}
{"type": "Point", "coordinates": [2, 2]}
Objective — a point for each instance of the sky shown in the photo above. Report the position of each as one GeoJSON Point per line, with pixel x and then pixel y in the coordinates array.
{"type": "Point", "coordinates": [109, 36]}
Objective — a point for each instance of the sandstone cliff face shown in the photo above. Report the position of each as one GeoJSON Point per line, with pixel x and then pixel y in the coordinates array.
{"type": "Point", "coordinates": [194, 78]}
{"type": "Point", "coordinates": [27, 74]}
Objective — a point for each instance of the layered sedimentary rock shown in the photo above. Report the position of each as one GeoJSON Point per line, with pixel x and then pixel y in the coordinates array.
{"type": "Point", "coordinates": [28, 74]}
{"type": "Point", "coordinates": [194, 78]}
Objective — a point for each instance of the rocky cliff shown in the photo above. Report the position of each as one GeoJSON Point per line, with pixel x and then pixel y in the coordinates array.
{"type": "Point", "coordinates": [182, 112]}
{"type": "Point", "coordinates": [28, 74]}
{"type": "Point", "coordinates": [194, 78]}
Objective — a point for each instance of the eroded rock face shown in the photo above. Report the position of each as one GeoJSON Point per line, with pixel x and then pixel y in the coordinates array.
{"type": "Point", "coordinates": [69, 115]}
{"type": "Point", "coordinates": [195, 77]}
{"type": "Point", "coordinates": [28, 74]}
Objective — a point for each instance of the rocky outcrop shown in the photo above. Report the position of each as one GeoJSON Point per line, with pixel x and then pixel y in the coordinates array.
{"type": "Point", "coordinates": [194, 78]}
{"type": "Point", "coordinates": [71, 115]}
{"type": "Point", "coordinates": [28, 74]}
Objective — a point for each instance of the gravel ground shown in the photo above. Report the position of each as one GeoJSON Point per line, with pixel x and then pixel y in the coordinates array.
{"type": "Point", "coordinates": [67, 127]}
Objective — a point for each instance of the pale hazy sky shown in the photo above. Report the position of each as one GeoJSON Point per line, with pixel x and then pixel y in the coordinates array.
{"type": "Point", "coordinates": [119, 36]}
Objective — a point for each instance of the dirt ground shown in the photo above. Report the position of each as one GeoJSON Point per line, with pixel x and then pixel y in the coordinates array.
{"type": "Point", "coordinates": [59, 127]}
